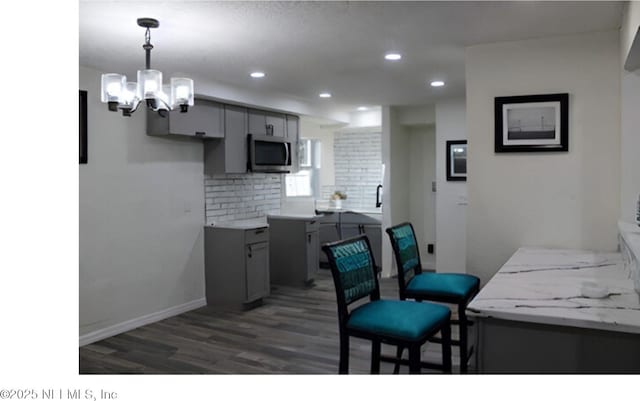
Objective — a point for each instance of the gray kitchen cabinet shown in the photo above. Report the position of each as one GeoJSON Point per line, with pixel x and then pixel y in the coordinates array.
{"type": "Point", "coordinates": [293, 134]}
{"type": "Point", "coordinates": [205, 119]}
{"type": "Point", "coordinates": [329, 232]}
{"type": "Point", "coordinates": [346, 224]}
{"type": "Point", "coordinates": [236, 266]}
{"type": "Point", "coordinates": [257, 263]}
{"type": "Point", "coordinates": [228, 154]}
{"type": "Point", "coordinates": [294, 250]}
{"type": "Point", "coordinates": [374, 233]}
{"type": "Point", "coordinates": [354, 224]}
{"type": "Point", "coordinates": [260, 119]}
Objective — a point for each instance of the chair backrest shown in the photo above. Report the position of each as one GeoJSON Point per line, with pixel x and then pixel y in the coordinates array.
{"type": "Point", "coordinates": [353, 269]}
{"type": "Point", "coordinates": [405, 250]}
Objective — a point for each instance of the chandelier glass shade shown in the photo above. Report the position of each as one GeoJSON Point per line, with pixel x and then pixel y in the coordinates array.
{"type": "Point", "coordinates": [127, 96]}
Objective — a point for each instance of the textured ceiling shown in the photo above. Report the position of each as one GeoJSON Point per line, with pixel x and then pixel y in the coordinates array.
{"type": "Point", "coordinates": [308, 47]}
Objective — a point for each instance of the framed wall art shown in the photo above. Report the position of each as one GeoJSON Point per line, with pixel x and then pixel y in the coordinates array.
{"type": "Point", "coordinates": [83, 127]}
{"type": "Point", "coordinates": [457, 160]}
{"type": "Point", "coordinates": [534, 123]}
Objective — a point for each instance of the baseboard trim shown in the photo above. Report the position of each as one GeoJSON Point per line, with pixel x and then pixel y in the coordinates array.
{"type": "Point", "coordinates": [120, 328]}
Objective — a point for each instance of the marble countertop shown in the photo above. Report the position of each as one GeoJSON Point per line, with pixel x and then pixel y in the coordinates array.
{"type": "Point", "coordinates": [540, 285]}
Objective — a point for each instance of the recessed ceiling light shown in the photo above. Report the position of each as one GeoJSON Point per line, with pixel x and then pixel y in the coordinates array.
{"type": "Point", "coordinates": [363, 108]}
{"type": "Point", "coordinates": [393, 56]}
{"type": "Point", "coordinates": [325, 94]}
{"type": "Point", "coordinates": [257, 74]}
{"type": "Point", "coordinates": [437, 83]}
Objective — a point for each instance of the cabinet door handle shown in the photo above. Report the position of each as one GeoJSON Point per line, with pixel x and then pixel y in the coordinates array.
{"type": "Point", "coordinates": [200, 133]}
{"type": "Point", "coordinates": [309, 238]}
{"type": "Point", "coordinates": [259, 232]}
{"type": "Point", "coordinates": [250, 255]}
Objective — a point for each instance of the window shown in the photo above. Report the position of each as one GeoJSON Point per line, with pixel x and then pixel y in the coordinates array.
{"type": "Point", "coordinates": [298, 184]}
{"type": "Point", "coordinates": [306, 181]}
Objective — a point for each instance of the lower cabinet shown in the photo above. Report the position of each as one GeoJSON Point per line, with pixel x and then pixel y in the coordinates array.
{"type": "Point", "coordinates": [294, 250]}
{"type": "Point", "coordinates": [329, 232]}
{"type": "Point", "coordinates": [346, 224]}
{"type": "Point", "coordinates": [236, 266]}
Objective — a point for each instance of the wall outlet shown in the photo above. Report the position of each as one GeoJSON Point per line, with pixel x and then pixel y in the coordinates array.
{"type": "Point", "coordinates": [429, 248]}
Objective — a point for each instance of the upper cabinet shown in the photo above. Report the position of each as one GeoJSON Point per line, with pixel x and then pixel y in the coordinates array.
{"type": "Point", "coordinates": [226, 127]}
{"type": "Point", "coordinates": [228, 155]}
{"type": "Point", "coordinates": [263, 122]}
{"type": "Point", "coordinates": [293, 134]}
{"type": "Point", "coordinates": [205, 119]}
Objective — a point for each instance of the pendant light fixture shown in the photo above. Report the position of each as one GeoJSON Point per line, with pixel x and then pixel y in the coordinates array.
{"type": "Point", "coordinates": [126, 96]}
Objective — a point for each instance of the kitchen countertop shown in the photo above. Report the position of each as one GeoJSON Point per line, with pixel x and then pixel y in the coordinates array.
{"type": "Point", "coordinates": [540, 285]}
{"type": "Point", "coordinates": [248, 224]}
{"type": "Point", "coordinates": [294, 216]}
{"type": "Point", "coordinates": [349, 210]}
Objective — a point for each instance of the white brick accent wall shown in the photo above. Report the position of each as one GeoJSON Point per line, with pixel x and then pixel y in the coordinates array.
{"type": "Point", "coordinates": [358, 168]}
{"type": "Point", "coordinates": [241, 196]}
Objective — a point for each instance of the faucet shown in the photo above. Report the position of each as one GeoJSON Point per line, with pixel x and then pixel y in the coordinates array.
{"type": "Point", "coordinates": [379, 196]}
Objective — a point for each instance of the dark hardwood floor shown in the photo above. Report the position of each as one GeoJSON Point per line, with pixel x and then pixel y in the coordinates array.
{"type": "Point", "coordinates": [295, 331]}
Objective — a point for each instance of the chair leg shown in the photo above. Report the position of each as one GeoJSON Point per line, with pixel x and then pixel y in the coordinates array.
{"type": "Point", "coordinates": [414, 359]}
{"type": "Point", "coordinates": [396, 368]}
{"type": "Point", "coordinates": [464, 347]}
{"type": "Point", "coordinates": [446, 348]}
{"type": "Point", "coordinates": [344, 354]}
{"type": "Point", "coordinates": [375, 357]}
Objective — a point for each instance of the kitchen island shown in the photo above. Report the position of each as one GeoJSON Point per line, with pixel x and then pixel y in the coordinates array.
{"type": "Point", "coordinates": [558, 311]}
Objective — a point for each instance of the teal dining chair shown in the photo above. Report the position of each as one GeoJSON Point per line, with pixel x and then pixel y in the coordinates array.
{"type": "Point", "coordinates": [404, 324]}
{"type": "Point", "coordinates": [451, 288]}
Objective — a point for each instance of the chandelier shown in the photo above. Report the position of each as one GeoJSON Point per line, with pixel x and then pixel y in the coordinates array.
{"type": "Point", "coordinates": [126, 96]}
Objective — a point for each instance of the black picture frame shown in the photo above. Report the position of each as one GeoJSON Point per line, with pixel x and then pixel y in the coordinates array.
{"type": "Point", "coordinates": [83, 127]}
{"type": "Point", "coordinates": [520, 124]}
{"type": "Point", "coordinates": [457, 164]}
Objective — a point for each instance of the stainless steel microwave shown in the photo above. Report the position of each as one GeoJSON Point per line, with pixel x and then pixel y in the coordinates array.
{"type": "Point", "coordinates": [268, 154]}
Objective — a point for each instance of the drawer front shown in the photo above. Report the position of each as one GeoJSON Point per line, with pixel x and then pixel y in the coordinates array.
{"type": "Point", "coordinates": [312, 225]}
{"type": "Point", "coordinates": [256, 235]}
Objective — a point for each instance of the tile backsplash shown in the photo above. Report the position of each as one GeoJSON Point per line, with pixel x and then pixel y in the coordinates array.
{"type": "Point", "coordinates": [241, 196]}
{"type": "Point", "coordinates": [358, 168]}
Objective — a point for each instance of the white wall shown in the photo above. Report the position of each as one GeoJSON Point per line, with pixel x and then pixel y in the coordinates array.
{"type": "Point", "coordinates": [400, 170]}
{"type": "Point", "coordinates": [365, 118]}
{"type": "Point", "coordinates": [422, 201]}
{"type": "Point", "coordinates": [630, 146]}
{"type": "Point", "coordinates": [141, 219]}
{"type": "Point", "coordinates": [630, 120]}
{"type": "Point", "coordinates": [451, 196]}
{"type": "Point", "coordinates": [395, 196]}
{"type": "Point", "coordinates": [565, 199]}
{"type": "Point", "coordinates": [416, 115]}
{"type": "Point", "coordinates": [388, 114]}
{"type": "Point", "coordinates": [630, 26]}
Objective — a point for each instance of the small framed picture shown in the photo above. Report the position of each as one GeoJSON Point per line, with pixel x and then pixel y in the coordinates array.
{"type": "Point", "coordinates": [534, 123]}
{"type": "Point", "coordinates": [456, 160]}
{"type": "Point", "coordinates": [83, 127]}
